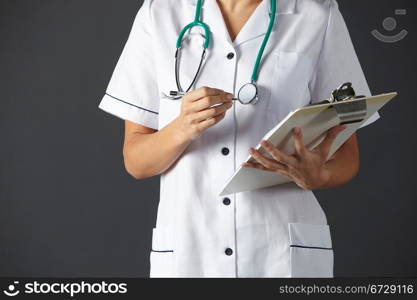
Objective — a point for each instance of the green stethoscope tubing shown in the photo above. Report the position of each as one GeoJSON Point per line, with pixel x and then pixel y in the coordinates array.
{"type": "Point", "coordinates": [198, 23]}
{"type": "Point", "coordinates": [255, 72]}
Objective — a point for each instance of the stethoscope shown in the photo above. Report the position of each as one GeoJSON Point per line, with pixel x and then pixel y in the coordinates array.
{"type": "Point", "coordinates": [248, 93]}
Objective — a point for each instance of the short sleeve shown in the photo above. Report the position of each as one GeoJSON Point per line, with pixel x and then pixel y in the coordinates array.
{"type": "Point", "coordinates": [338, 62]}
{"type": "Point", "coordinates": [132, 93]}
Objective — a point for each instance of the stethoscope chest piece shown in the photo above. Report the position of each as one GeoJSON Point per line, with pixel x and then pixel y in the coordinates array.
{"type": "Point", "coordinates": [248, 93]}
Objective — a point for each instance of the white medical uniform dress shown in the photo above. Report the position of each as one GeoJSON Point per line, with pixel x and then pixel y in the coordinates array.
{"type": "Point", "coordinates": [278, 231]}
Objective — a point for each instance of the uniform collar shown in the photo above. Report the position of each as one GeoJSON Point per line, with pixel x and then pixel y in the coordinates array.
{"type": "Point", "coordinates": [256, 25]}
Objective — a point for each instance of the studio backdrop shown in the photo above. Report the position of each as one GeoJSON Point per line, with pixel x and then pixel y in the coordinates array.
{"type": "Point", "coordinates": [69, 208]}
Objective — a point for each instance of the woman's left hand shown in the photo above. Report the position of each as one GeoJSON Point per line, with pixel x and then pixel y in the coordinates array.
{"type": "Point", "coordinates": [307, 168]}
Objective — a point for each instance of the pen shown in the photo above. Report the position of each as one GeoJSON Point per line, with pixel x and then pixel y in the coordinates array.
{"type": "Point", "coordinates": [178, 94]}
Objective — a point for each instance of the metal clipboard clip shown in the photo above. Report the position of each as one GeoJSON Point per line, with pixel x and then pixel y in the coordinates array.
{"type": "Point", "coordinates": [348, 112]}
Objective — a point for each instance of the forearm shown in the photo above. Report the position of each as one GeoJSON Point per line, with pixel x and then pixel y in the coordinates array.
{"type": "Point", "coordinates": [344, 165]}
{"type": "Point", "coordinates": [147, 155]}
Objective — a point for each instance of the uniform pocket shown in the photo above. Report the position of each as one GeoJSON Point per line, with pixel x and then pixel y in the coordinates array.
{"type": "Point", "coordinates": [311, 252]}
{"type": "Point", "coordinates": [162, 254]}
{"type": "Point", "coordinates": [287, 60]}
{"type": "Point", "coordinates": [288, 83]}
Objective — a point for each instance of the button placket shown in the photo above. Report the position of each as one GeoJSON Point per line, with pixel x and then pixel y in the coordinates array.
{"type": "Point", "coordinates": [226, 204]}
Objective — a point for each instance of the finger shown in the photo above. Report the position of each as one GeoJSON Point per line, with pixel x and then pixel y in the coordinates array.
{"type": "Point", "coordinates": [285, 173]}
{"type": "Point", "coordinates": [210, 122]}
{"type": "Point", "coordinates": [326, 144]}
{"type": "Point", "coordinates": [206, 102]}
{"type": "Point", "coordinates": [212, 112]}
{"type": "Point", "coordinates": [263, 168]}
{"type": "Point", "coordinates": [255, 166]}
{"type": "Point", "coordinates": [278, 155]}
{"type": "Point", "coordinates": [259, 166]}
{"type": "Point", "coordinates": [266, 162]}
{"type": "Point", "coordinates": [201, 93]}
{"type": "Point", "coordinates": [298, 142]}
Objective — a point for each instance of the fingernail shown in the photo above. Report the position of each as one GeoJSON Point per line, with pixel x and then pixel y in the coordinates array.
{"type": "Point", "coordinates": [296, 130]}
{"type": "Point", "coordinates": [229, 96]}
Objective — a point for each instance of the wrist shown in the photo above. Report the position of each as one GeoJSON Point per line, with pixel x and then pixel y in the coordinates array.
{"type": "Point", "coordinates": [179, 133]}
{"type": "Point", "coordinates": [324, 178]}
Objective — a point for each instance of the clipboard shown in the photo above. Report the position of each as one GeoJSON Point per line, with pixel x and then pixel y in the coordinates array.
{"type": "Point", "coordinates": [314, 121]}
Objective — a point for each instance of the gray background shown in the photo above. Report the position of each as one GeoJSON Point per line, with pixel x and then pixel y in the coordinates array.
{"type": "Point", "coordinates": [68, 208]}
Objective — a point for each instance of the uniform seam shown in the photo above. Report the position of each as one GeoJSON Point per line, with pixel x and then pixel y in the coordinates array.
{"type": "Point", "coordinates": [314, 75]}
{"type": "Point", "coordinates": [311, 247]}
{"type": "Point", "coordinates": [235, 123]}
{"type": "Point", "coordinates": [148, 110]}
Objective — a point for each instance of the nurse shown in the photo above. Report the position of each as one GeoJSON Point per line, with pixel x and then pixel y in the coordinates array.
{"type": "Point", "coordinates": [197, 141]}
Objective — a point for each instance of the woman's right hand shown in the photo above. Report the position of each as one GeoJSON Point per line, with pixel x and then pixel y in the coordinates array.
{"type": "Point", "coordinates": [198, 114]}
{"type": "Point", "coordinates": [148, 152]}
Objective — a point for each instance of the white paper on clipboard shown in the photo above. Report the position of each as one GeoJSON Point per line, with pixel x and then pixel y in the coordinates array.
{"type": "Point", "coordinates": [314, 122]}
